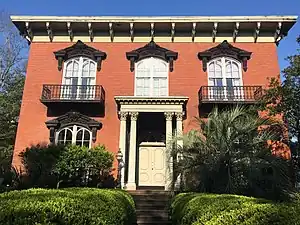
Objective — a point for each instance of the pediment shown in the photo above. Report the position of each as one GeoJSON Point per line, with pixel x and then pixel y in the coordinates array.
{"type": "Point", "coordinates": [77, 50]}
{"type": "Point", "coordinates": [73, 118]}
{"type": "Point", "coordinates": [151, 50]}
{"type": "Point", "coordinates": [225, 49]}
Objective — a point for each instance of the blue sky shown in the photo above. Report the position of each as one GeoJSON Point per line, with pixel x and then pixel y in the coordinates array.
{"type": "Point", "coordinates": [164, 8]}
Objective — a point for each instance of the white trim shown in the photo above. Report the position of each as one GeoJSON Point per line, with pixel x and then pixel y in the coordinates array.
{"type": "Point", "coordinates": [148, 62]}
{"type": "Point", "coordinates": [67, 92]}
{"type": "Point", "coordinates": [133, 19]}
{"type": "Point", "coordinates": [35, 30]}
{"type": "Point", "coordinates": [80, 70]}
{"type": "Point", "coordinates": [223, 69]}
{"type": "Point", "coordinates": [142, 144]}
{"type": "Point", "coordinates": [74, 129]}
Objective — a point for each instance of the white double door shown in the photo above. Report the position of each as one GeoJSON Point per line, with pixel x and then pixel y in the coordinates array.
{"type": "Point", "coordinates": [152, 165]}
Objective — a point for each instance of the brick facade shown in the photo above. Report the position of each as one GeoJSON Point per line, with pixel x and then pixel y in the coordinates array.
{"type": "Point", "coordinates": [117, 80]}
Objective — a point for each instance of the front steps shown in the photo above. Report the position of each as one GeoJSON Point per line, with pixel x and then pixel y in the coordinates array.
{"type": "Point", "coordinates": [152, 207]}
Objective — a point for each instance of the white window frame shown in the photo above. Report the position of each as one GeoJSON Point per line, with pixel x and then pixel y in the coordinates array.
{"type": "Point", "coordinates": [152, 76]}
{"type": "Point", "coordinates": [80, 77]}
{"type": "Point", "coordinates": [224, 77]}
{"type": "Point", "coordinates": [74, 129]}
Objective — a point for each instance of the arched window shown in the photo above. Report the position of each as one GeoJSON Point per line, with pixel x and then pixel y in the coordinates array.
{"type": "Point", "coordinates": [79, 78]}
{"type": "Point", "coordinates": [225, 75]}
{"type": "Point", "coordinates": [74, 134]}
{"type": "Point", "coordinates": [151, 77]}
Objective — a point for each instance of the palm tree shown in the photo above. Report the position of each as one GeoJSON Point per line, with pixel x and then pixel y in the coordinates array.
{"type": "Point", "coordinates": [230, 154]}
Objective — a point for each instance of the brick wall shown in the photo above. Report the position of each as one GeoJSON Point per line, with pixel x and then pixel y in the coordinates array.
{"type": "Point", "coordinates": [117, 79]}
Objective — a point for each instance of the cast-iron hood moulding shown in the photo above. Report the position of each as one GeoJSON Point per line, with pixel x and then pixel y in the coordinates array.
{"type": "Point", "coordinates": [72, 118]}
{"type": "Point", "coordinates": [225, 50]}
{"type": "Point", "coordinates": [151, 50]}
{"type": "Point", "coordinates": [77, 50]}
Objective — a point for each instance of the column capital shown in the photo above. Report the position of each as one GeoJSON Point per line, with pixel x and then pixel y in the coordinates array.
{"type": "Point", "coordinates": [134, 115]}
{"type": "Point", "coordinates": [179, 116]}
{"type": "Point", "coordinates": [169, 115]}
{"type": "Point", "coordinates": [123, 115]}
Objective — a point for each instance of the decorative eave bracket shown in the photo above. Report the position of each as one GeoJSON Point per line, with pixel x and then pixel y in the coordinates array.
{"type": "Point", "coordinates": [77, 50]}
{"type": "Point", "coordinates": [151, 50]}
{"type": "Point", "coordinates": [72, 118]}
{"type": "Point", "coordinates": [227, 50]}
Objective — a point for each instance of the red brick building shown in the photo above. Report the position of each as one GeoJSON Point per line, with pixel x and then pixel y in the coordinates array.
{"type": "Point", "coordinates": [131, 83]}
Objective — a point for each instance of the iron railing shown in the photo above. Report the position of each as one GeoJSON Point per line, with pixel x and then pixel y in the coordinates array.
{"type": "Point", "coordinates": [72, 93]}
{"type": "Point", "coordinates": [230, 94]}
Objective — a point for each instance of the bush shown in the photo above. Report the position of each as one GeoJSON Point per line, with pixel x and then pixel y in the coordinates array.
{"type": "Point", "coordinates": [212, 209]}
{"type": "Point", "coordinates": [68, 166]}
{"type": "Point", "coordinates": [230, 153]}
{"type": "Point", "coordinates": [67, 206]}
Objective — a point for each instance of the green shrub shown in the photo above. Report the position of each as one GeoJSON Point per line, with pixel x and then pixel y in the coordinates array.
{"type": "Point", "coordinates": [83, 166]}
{"type": "Point", "coordinates": [212, 209]}
{"type": "Point", "coordinates": [67, 166]}
{"type": "Point", "coordinates": [39, 161]}
{"type": "Point", "coordinates": [67, 206]}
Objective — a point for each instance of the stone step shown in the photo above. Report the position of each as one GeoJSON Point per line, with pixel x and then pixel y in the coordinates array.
{"type": "Point", "coordinates": [152, 213]}
{"type": "Point", "coordinates": [154, 223]}
{"type": "Point", "coordinates": [151, 199]}
{"type": "Point", "coordinates": [146, 220]}
{"type": "Point", "coordinates": [149, 192]}
{"type": "Point", "coordinates": [151, 206]}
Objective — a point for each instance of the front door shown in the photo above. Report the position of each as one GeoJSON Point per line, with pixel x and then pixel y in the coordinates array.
{"type": "Point", "coordinates": [152, 164]}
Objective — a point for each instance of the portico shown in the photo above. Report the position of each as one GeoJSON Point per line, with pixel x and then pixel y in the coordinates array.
{"type": "Point", "coordinates": [154, 156]}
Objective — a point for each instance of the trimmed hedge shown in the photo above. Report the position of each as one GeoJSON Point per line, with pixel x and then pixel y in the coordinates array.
{"type": "Point", "coordinates": [67, 206]}
{"type": "Point", "coordinates": [212, 209]}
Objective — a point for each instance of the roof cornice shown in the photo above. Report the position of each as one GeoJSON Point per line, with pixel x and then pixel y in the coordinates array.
{"type": "Point", "coordinates": [172, 28]}
{"type": "Point", "coordinates": [16, 18]}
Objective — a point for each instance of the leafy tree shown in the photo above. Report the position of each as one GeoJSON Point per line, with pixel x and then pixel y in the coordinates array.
{"type": "Point", "coordinates": [68, 166]}
{"type": "Point", "coordinates": [230, 154]}
{"type": "Point", "coordinates": [283, 98]}
{"type": "Point", "coordinates": [13, 54]}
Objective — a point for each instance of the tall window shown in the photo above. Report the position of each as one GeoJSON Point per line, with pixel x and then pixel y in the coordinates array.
{"type": "Point", "coordinates": [225, 75]}
{"type": "Point", "coordinates": [74, 134]}
{"type": "Point", "coordinates": [79, 75]}
{"type": "Point", "coordinates": [151, 77]}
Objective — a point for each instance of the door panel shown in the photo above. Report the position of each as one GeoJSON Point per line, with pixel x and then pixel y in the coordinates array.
{"type": "Point", "coordinates": [145, 166]}
{"type": "Point", "coordinates": [152, 166]}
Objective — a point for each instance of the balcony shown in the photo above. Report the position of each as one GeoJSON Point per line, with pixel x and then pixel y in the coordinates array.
{"type": "Point", "coordinates": [235, 94]}
{"type": "Point", "coordinates": [81, 98]}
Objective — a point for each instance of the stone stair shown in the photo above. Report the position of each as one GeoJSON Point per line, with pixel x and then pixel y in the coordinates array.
{"type": "Point", "coordinates": [152, 207]}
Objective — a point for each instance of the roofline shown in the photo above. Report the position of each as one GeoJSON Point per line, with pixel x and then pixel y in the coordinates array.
{"type": "Point", "coordinates": [160, 28]}
{"type": "Point", "coordinates": [18, 18]}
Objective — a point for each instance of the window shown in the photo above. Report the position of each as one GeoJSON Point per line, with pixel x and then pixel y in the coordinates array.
{"type": "Point", "coordinates": [79, 78]}
{"type": "Point", "coordinates": [76, 135]}
{"type": "Point", "coordinates": [151, 77]}
{"type": "Point", "coordinates": [225, 75]}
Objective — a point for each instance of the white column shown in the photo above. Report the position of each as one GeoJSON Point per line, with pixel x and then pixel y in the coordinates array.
{"type": "Point", "coordinates": [179, 133]}
{"type": "Point", "coordinates": [131, 184]}
{"type": "Point", "coordinates": [122, 143]}
{"type": "Point", "coordinates": [169, 159]}
{"type": "Point", "coordinates": [179, 128]}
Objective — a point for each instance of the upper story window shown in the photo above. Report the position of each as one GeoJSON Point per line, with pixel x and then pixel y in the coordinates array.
{"type": "Point", "coordinates": [152, 64]}
{"type": "Point", "coordinates": [224, 71]}
{"type": "Point", "coordinates": [80, 64]}
{"type": "Point", "coordinates": [76, 135]}
{"type": "Point", "coordinates": [151, 77]}
{"type": "Point", "coordinates": [79, 71]}
{"type": "Point", "coordinates": [79, 78]}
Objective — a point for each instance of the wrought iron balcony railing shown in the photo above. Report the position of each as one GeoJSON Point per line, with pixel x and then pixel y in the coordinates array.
{"type": "Point", "coordinates": [72, 93]}
{"type": "Point", "coordinates": [229, 94]}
